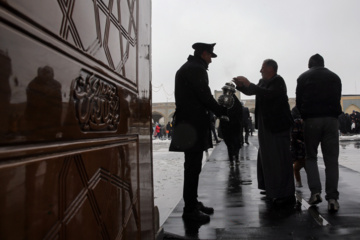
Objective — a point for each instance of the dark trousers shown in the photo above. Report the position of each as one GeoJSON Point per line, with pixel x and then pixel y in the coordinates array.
{"type": "Point", "coordinates": [260, 173]}
{"type": "Point", "coordinates": [323, 131]}
{"type": "Point", "coordinates": [192, 169]}
{"type": "Point", "coordinates": [233, 144]}
{"type": "Point", "coordinates": [214, 133]}
{"type": "Point", "coordinates": [298, 165]}
{"type": "Point", "coordinates": [245, 128]}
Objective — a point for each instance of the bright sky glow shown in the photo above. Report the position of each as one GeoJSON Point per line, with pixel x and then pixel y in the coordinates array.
{"type": "Point", "coordinates": [246, 32]}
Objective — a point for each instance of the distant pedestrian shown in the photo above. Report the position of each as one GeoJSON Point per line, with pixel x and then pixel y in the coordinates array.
{"type": "Point", "coordinates": [168, 129]}
{"type": "Point", "coordinates": [158, 130]}
{"type": "Point", "coordinates": [318, 95]}
{"type": "Point", "coordinates": [297, 146]}
{"type": "Point", "coordinates": [355, 117]}
{"type": "Point", "coordinates": [212, 125]}
{"type": "Point", "coordinates": [231, 130]}
{"type": "Point", "coordinates": [347, 123]}
{"type": "Point", "coordinates": [342, 123]}
{"type": "Point", "coordinates": [192, 134]}
{"type": "Point", "coordinates": [353, 126]}
{"type": "Point", "coordinates": [171, 130]}
{"type": "Point", "coordinates": [162, 132]}
{"type": "Point", "coordinates": [273, 120]}
{"type": "Point", "coordinates": [251, 126]}
{"type": "Point", "coordinates": [245, 125]}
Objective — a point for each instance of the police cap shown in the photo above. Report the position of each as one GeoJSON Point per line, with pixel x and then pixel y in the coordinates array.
{"type": "Point", "coordinates": [209, 47]}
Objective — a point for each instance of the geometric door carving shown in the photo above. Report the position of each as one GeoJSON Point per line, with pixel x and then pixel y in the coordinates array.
{"type": "Point", "coordinates": [110, 36]}
{"type": "Point", "coordinates": [86, 175]}
{"type": "Point", "coordinates": [55, 198]}
{"type": "Point", "coordinates": [83, 189]}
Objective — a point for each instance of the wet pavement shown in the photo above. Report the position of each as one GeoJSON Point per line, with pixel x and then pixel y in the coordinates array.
{"type": "Point", "coordinates": [241, 212]}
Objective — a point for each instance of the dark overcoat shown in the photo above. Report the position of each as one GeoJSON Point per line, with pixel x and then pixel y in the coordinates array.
{"type": "Point", "coordinates": [318, 93]}
{"type": "Point", "coordinates": [231, 129]}
{"type": "Point", "coordinates": [193, 100]}
{"type": "Point", "coordinates": [233, 126]}
{"type": "Point", "coordinates": [271, 95]}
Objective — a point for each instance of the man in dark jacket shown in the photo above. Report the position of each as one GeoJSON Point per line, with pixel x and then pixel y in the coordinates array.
{"type": "Point", "coordinates": [168, 130]}
{"type": "Point", "coordinates": [273, 120]}
{"type": "Point", "coordinates": [245, 124]}
{"type": "Point", "coordinates": [193, 100]}
{"type": "Point", "coordinates": [318, 95]}
{"type": "Point", "coordinates": [212, 126]}
{"type": "Point", "coordinates": [231, 129]}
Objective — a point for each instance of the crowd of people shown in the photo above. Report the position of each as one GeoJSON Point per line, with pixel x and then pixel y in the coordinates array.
{"type": "Point", "coordinates": [285, 145]}
{"type": "Point", "coordinates": [162, 132]}
{"type": "Point", "coordinates": [349, 123]}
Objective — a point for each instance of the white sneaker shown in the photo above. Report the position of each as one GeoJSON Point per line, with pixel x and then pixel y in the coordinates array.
{"type": "Point", "coordinates": [333, 205]}
{"type": "Point", "coordinates": [315, 199]}
{"type": "Point", "coordinates": [298, 184]}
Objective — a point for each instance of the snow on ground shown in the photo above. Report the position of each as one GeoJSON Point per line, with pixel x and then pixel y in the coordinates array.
{"type": "Point", "coordinates": [168, 177]}
{"type": "Point", "coordinates": [350, 137]}
{"type": "Point", "coordinates": [349, 154]}
{"type": "Point", "coordinates": [168, 172]}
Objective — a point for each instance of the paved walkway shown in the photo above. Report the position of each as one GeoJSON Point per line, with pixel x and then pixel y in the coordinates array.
{"type": "Point", "coordinates": [240, 212]}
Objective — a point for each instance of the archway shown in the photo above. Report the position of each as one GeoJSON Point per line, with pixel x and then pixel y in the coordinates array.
{"type": "Point", "coordinates": [352, 108]}
{"type": "Point", "coordinates": [157, 118]}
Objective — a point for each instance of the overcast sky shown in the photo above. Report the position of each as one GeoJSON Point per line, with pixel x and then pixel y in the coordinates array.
{"type": "Point", "coordinates": [246, 32]}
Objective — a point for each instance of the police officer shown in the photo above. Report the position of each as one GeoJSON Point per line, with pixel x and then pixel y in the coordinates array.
{"type": "Point", "coordinates": [193, 100]}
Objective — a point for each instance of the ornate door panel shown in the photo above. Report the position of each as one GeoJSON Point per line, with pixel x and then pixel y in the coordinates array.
{"type": "Point", "coordinates": [75, 145]}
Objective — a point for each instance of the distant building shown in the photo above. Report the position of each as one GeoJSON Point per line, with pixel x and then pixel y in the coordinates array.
{"type": "Point", "coordinates": [349, 103]}
{"type": "Point", "coordinates": [163, 112]}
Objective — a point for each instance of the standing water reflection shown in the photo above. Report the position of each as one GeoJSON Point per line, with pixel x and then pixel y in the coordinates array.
{"type": "Point", "coordinates": [349, 155]}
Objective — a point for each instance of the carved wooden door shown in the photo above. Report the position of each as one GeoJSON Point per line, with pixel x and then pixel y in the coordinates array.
{"type": "Point", "coordinates": [75, 145]}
